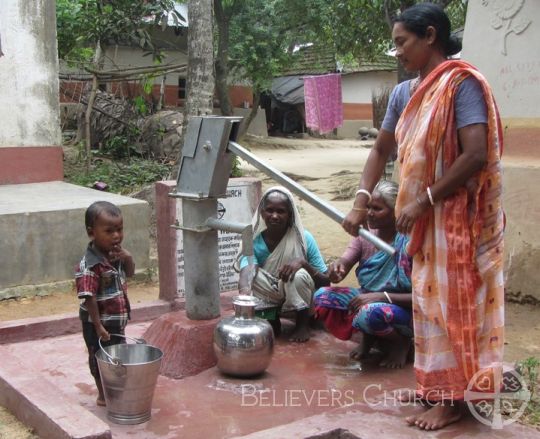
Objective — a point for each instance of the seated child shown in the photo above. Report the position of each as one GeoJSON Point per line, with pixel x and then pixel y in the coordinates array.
{"type": "Point", "coordinates": [100, 279]}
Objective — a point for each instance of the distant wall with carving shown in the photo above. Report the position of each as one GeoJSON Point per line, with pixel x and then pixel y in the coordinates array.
{"type": "Point", "coordinates": [502, 38]}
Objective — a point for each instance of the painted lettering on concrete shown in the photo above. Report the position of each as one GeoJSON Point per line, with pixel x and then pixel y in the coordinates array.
{"type": "Point", "coordinates": [236, 207]}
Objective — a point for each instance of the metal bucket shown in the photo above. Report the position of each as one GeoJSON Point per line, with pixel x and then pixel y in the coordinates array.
{"type": "Point", "coordinates": [129, 374]}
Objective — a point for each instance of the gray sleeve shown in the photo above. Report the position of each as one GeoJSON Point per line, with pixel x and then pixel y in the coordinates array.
{"type": "Point", "coordinates": [470, 104]}
{"type": "Point", "coordinates": [396, 103]}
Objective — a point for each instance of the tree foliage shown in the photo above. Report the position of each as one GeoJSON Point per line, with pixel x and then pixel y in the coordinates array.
{"type": "Point", "coordinates": [256, 38]}
{"type": "Point", "coordinates": [82, 23]}
{"type": "Point", "coordinates": [360, 28]}
{"type": "Point", "coordinates": [258, 44]}
{"type": "Point", "coordinates": [85, 26]}
{"type": "Point", "coordinates": [263, 33]}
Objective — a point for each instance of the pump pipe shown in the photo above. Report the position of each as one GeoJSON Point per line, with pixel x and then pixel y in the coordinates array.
{"type": "Point", "coordinates": [303, 193]}
{"type": "Point", "coordinates": [246, 230]}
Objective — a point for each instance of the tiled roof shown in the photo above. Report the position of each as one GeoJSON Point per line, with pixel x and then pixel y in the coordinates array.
{"type": "Point", "coordinates": [311, 61]}
{"type": "Point", "coordinates": [319, 61]}
{"type": "Point", "coordinates": [380, 63]}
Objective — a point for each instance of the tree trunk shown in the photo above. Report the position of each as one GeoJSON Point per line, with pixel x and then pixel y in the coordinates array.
{"type": "Point", "coordinates": [200, 72]}
{"type": "Point", "coordinates": [222, 60]}
{"type": "Point", "coordinates": [252, 114]}
{"type": "Point", "coordinates": [161, 93]}
{"type": "Point", "coordinates": [87, 117]}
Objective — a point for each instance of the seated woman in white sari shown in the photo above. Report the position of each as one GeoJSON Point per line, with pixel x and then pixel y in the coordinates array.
{"type": "Point", "coordinates": [288, 263]}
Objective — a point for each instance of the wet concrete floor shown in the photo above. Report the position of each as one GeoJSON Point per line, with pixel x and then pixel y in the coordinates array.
{"type": "Point", "coordinates": [308, 390]}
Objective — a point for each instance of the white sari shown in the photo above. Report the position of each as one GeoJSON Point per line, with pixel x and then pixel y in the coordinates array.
{"type": "Point", "coordinates": [294, 295]}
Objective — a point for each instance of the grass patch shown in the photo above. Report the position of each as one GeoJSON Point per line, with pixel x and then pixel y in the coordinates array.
{"type": "Point", "coordinates": [529, 369]}
{"type": "Point", "coordinates": [123, 176]}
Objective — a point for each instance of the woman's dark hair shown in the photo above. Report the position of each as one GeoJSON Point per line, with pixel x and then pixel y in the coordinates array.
{"type": "Point", "coordinates": [96, 209]}
{"type": "Point", "coordinates": [418, 18]}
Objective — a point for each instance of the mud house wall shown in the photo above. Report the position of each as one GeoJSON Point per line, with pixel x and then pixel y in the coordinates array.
{"type": "Point", "coordinates": [356, 91]}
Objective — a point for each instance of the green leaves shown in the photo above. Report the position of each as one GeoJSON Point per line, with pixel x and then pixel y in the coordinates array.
{"type": "Point", "coordinates": [82, 23]}
{"type": "Point", "coordinates": [263, 33]}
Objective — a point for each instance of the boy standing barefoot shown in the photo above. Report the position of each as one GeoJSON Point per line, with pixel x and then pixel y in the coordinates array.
{"type": "Point", "coordinates": [100, 280]}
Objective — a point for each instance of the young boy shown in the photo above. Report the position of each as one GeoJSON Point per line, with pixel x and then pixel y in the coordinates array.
{"type": "Point", "coordinates": [100, 279]}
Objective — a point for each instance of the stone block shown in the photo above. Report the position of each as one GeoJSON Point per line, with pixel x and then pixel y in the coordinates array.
{"type": "Point", "coordinates": [43, 234]}
{"type": "Point", "coordinates": [243, 198]}
{"type": "Point", "coordinates": [187, 344]}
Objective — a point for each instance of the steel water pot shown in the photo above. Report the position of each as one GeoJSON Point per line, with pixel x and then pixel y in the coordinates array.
{"type": "Point", "coordinates": [243, 343]}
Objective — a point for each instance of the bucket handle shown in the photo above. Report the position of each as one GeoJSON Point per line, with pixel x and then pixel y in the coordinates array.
{"type": "Point", "coordinates": [113, 360]}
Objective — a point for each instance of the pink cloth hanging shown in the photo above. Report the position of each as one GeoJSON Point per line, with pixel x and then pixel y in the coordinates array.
{"type": "Point", "coordinates": [324, 106]}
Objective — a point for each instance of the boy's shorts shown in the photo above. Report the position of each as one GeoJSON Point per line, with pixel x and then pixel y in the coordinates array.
{"type": "Point", "coordinates": [92, 342]}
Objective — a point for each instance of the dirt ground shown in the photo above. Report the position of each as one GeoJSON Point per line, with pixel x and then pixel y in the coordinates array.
{"type": "Point", "coordinates": [330, 169]}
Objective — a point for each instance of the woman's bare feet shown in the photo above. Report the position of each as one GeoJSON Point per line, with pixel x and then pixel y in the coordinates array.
{"type": "Point", "coordinates": [300, 335]}
{"type": "Point", "coordinates": [361, 352]}
{"type": "Point", "coordinates": [437, 416]}
{"type": "Point", "coordinates": [301, 332]}
{"type": "Point", "coordinates": [396, 355]}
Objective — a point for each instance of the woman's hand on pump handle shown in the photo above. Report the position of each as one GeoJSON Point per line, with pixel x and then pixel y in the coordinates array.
{"type": "Point", "coordinates": [355, 218]}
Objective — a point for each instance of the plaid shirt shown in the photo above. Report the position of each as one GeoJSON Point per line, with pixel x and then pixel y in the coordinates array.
{"type": "Point", "coordinates": [95, 276]}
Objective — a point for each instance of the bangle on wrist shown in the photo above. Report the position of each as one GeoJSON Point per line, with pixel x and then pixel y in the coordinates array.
{"type": "Point", "coordinates": [430, 197]}
{"type": "Point", "coordinates": [365, 192]}
{"type": "Point", "coordinates": [360, 209]}
{"type": "Point", "coordinates": [387, 297]}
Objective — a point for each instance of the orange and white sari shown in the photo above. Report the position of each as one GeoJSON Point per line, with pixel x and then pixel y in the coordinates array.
{"type": "Point", "coordinates": [457, 246]}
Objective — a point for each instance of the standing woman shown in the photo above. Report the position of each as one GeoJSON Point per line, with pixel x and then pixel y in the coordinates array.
{"type": "Point", "coordinates": [448, 133]}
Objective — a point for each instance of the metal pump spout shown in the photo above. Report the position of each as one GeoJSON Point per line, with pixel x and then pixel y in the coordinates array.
{"type": "Point", "coordinates": [246, 230]}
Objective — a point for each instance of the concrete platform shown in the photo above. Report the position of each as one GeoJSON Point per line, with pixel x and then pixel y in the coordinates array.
{"type": "Point", "coordinates": [309, 390]}
{"type": "Point", "coordinates": [43, 235]}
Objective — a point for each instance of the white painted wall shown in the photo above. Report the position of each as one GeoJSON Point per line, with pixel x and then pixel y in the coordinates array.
{"type": "Point", "coordinates": [509, 60]}
{"type": "Point", "coordinates": [357, 88]}
{"type": "Point", "coordinates": [29, 114]}
{"type": "Point", "coordinates": [174, 50]}
{"type": "Point", "coordinates": [129, 57]}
